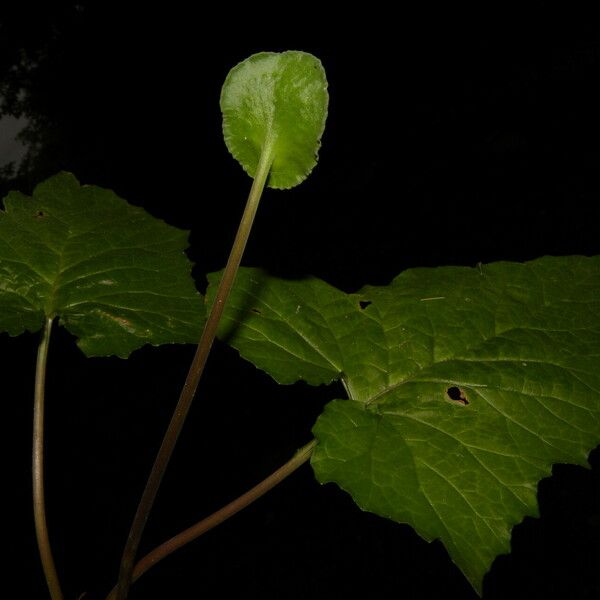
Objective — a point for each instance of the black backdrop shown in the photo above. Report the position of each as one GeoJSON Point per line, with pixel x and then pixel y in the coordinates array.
{"type": "Point", "coordinates": [452, 139]}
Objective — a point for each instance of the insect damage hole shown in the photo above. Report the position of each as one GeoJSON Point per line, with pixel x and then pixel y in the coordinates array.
{"type": "Point", "coordinates": [364, 303]}
{"type": "Point", "coordinates": [457, 395]}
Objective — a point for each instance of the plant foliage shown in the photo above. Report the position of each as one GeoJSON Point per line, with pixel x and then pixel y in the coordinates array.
{"type": "Point", "coordinates": [464, 386]}
{"type": "Point", "coordinates": [117, 277]}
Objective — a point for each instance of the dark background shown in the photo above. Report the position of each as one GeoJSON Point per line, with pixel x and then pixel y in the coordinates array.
{"type": "Point", "coordinates": [452, 139]}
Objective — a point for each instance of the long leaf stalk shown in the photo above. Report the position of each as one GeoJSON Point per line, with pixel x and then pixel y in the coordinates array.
{"type": "Point", "coordinates": [193, 377]}
{"type": "Point", "coordinates": [39, 502]}
{"type": "Point", "coordinates": [195, 531]}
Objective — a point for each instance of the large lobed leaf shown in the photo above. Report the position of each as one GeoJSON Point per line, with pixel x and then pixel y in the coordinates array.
{"type": "Point", "coordinates": [117, 277]}
{"type": "Point", "coordinates": [465, 385]}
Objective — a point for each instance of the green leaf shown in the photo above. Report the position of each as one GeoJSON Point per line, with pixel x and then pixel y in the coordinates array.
{"type": "Point", "coordinates": [117, 277]}
{"type": "Point", "coordinates": [276, 103]}
{"type": "Point", "coordinates": [465, 385]}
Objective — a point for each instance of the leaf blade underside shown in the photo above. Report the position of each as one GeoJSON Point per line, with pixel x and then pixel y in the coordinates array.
{"type": "Point", "coordinates": [276, 102]}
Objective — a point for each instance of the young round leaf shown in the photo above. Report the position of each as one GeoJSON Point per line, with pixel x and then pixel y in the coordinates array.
{"type": "Point", "coordinates": [276, 103]}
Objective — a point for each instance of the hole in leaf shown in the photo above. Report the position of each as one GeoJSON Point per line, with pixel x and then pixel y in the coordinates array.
{"type": "Point", "coordinates": [256, 311]}
{"type": "Point", "coordinates": [364, 303]}
{"type": "Point", "coordinates": [457, 395]}
{"type": "Point", "coordinates": [40, 214]}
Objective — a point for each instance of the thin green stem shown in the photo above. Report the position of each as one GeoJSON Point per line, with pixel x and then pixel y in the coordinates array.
{"type": "Point", "coordinates": [39, 503]}
{"type": "Point", "coordinates": [193, 377]}
{"type": "Point", "coordinates": [195, 531]}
